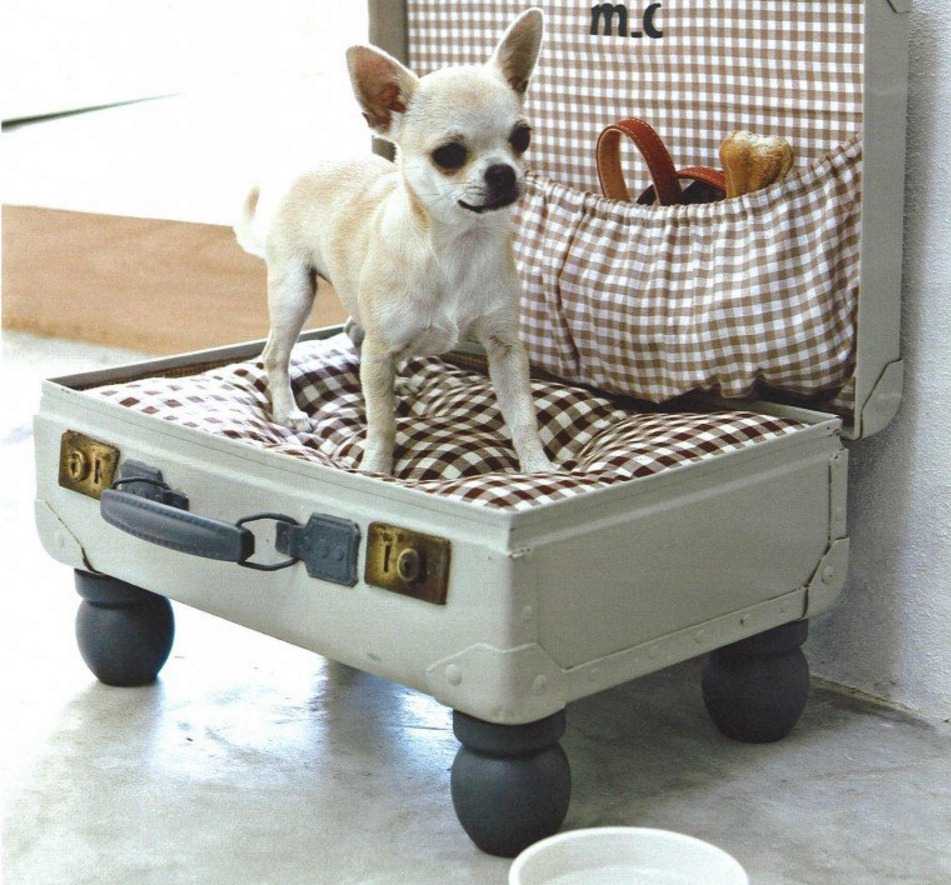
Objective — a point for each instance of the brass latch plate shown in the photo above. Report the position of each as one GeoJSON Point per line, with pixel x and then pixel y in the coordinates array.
{"type": "Point", "coordinates": [408, 562]}
{"type": "Point", "coordinates": [86, 465]}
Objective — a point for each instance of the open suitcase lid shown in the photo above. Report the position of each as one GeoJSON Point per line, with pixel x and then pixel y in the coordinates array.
{"type": "Point", "coordinates": [857, 49]}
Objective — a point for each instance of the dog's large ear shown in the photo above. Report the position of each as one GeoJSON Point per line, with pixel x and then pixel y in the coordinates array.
{"type": "Point", "coordinates": [382, 86]}
{"type": "Point", "coordinates": [515, 56]}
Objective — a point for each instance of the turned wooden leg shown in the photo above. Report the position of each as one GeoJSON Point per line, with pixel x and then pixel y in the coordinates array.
{"type": "Point", "coordinates": [756, 689]}
{"type": "Point", "coordinates": [510, 783]}
{"type": "Point", "coordinates": [124, 633]}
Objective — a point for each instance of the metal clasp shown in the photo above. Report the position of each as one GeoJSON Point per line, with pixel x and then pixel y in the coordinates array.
{"type": "Point", "coordinates": [409, 562]}
{"type": "Point", "coordinates": [86, 465]}
{"type": "Point", "coordinates": [279, 518]}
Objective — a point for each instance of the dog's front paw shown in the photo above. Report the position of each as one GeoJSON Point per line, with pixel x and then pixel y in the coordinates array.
{"type": "Point", "coordinates": [376, 461]}
{"type": "Point", "coordinates": [294, 419]}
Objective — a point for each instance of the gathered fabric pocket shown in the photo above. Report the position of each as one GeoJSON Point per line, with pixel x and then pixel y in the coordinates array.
{"type": "Point", "coordinates": [657, 301]}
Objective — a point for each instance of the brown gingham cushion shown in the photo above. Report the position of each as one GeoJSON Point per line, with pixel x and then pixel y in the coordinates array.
{"type": "Point", "coordinates": [450, 437]}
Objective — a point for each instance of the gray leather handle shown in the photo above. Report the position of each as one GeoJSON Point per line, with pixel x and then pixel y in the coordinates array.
{"type": "Point", "coordinates": [176, 529]}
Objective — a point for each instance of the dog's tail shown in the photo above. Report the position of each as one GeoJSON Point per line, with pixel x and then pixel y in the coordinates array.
{"type": "Point", "coordinates": [244, 227]}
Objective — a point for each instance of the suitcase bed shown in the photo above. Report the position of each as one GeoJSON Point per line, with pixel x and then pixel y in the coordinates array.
{"type": "Point", "coordinates": [674, 530]}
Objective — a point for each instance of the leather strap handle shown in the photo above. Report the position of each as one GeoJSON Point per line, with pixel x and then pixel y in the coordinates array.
{"type": "Point", "coordinates": [712, 177]}
{"type": "Point", "coordinates": [176, 529]}
{"type": "Point", "coordinates": [659, 162]}
{"type": "Point", "coordinates": [665, 176]}
{"type": "Point", "coordinates": [714, 180]}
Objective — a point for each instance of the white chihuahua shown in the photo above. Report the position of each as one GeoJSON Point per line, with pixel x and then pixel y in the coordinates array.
{"type": "Point", "coordinates": [419, 251]}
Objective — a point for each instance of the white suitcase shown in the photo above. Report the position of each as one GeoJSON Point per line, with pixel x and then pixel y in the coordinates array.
{"type": "Point", "coordinates": [505, 614]}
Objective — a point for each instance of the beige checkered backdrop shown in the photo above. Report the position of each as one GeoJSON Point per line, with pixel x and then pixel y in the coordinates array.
{"type": "Point", "coordinates": [655, 302]}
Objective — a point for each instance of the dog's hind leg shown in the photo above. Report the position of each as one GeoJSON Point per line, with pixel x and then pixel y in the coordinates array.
{"type": "Point", "coordinates": [291, 287]}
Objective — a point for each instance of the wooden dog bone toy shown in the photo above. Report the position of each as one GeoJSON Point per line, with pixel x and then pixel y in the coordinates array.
{"type": "Point", "coordinates": [752, 162]}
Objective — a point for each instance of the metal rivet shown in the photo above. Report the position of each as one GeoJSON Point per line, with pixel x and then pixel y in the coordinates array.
{"type": "Point", "coordinates": [453, 674]}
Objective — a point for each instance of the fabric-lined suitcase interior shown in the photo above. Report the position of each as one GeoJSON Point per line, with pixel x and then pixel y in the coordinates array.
{"type": "Point", "coordinates": [695, 370]}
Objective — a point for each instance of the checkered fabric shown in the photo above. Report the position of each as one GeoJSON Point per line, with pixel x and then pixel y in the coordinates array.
{"type": "Point", "coordinates": [450, 439]}
{"type": "Point", "coordinates": [656, 302]}
{"type": "Point", "coordinates": [775, 67]}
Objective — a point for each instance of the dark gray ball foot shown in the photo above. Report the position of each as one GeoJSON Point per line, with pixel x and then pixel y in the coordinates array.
{"type": "Point", "coordinates": [756, 689]}
{"type": "Point", "coordinates": [124, 633]}
{"type": "Point", "coordinates": [510, 783]}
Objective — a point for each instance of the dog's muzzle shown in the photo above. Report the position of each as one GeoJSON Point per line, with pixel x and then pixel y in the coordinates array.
{"type": "Point", "coordinates": [496, 202]}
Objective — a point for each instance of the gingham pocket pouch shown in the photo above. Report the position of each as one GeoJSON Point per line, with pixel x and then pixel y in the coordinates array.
{"type": "Point", "coordinates": [655, 302]}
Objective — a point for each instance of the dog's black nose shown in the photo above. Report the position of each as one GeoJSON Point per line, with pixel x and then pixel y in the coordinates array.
{"type": "Point", "coordinates": [500, 178]}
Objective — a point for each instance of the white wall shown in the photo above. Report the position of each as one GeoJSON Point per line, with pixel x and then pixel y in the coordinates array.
{"type": "Point", "coordinates": [891, 635]}
{"type": "Point", "coordinates": [58, 55]}
{"type": "Point", "coordinates": [263, 85]}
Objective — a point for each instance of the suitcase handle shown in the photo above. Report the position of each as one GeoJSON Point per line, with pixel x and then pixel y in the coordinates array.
{"type": "Point", "coordinates": [186, 532]}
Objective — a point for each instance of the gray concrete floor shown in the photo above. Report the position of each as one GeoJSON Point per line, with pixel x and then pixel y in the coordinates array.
{"type": "Point", "coordinates": [251, 761]}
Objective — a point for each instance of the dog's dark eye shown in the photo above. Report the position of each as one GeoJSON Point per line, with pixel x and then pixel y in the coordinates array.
{"type": "Point", "coordinates": [520, 138]}
{"type": "Point", "coordinates": [450, 156]}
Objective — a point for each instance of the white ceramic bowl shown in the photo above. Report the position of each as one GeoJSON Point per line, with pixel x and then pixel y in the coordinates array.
{"type": "Point", "coordinates": [625, 856]}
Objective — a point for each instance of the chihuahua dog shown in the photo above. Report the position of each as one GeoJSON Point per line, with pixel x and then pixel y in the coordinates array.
{"type": "Point", "coordinates": [420, 250]}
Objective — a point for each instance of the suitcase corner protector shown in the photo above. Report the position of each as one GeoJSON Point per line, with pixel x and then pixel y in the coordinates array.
{"type": "Point", "coordinates": [509, 686]}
